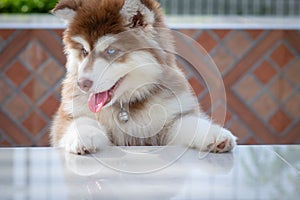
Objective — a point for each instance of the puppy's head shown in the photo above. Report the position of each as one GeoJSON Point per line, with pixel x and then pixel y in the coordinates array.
{"type": "Point", "coordinates": [114, 48]}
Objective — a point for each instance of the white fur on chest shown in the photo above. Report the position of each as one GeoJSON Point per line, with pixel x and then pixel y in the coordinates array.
{"type": "Point", "coordinates": [148, 122]}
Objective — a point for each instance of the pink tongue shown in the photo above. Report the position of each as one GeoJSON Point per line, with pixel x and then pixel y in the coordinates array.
{"type": "Point", "coordinates": [97, 101]}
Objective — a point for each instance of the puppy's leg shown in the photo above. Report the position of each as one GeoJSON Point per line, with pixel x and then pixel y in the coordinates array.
{"type": "Point", "coordinates": [84, 135]}
{"type": "Point", "coordinates": [199, 132]}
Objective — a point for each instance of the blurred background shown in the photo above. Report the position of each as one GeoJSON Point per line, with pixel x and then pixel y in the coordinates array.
{"type": "Point", "coordinates": [254, 43]}
{"type": "Point", "coordinates": [179, 7]}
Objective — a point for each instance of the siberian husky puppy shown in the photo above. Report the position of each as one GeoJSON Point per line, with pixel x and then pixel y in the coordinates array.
{"type": "Point", "coordinates": [122, 85]}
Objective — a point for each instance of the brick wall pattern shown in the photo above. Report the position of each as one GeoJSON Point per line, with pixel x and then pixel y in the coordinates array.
{"type": "Point", "coordinates": [260, 70]}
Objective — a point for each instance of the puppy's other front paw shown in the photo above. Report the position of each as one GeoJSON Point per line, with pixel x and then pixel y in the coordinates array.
{"type": "Point", "coordinates": [224, 142]}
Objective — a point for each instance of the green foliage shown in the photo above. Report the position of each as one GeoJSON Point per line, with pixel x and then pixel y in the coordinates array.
{"type": "Point", "coordinates": [26, 6]}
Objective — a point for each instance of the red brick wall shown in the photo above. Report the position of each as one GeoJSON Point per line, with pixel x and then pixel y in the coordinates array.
{"type": "Point", "coordinates": [260, 70]}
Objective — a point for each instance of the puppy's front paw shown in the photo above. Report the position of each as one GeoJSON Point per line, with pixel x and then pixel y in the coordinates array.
{"type": "Point", "coordinates": [223, 142]}
{"type": "Point", "coordinates": [84, 136]}
{"type": "Point", "coordinates": [83, 141]}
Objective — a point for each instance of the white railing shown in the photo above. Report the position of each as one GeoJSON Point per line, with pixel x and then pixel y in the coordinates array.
{"type": "Point", "coordinates": [232, 7]}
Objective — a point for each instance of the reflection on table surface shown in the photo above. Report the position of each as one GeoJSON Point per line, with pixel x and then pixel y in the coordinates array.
{"type": "Point", "coordinates": [249, 172]}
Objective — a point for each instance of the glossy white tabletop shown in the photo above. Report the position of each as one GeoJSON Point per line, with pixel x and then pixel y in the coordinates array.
{"type": "Point", "coordinates": [249, 172]}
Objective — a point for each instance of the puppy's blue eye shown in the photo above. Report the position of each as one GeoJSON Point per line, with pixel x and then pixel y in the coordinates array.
{"type": "Point", "coordinates": [111, 51]}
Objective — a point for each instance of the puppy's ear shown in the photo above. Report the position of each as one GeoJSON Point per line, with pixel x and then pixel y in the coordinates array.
{"type": "Point", "coordinates": [66, 9]}
{"type": "Point", "coordinates": [137, 14]}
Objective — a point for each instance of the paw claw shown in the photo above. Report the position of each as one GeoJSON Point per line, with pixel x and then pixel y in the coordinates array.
{"type": "Point", "coordinates": [222, 144]}
{"type": "Point", "coordinates": [83, 150]}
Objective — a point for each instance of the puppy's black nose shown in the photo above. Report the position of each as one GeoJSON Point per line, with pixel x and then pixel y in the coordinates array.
{"type": "Point", "coordinates": [85, 84]}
